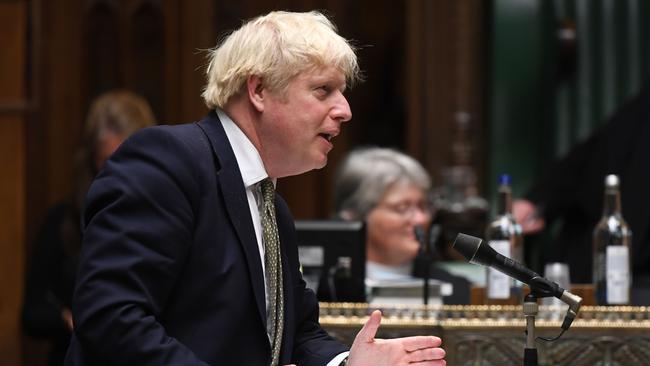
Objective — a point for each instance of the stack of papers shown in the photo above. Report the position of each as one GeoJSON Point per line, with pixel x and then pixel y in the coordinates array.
{"type": "Point", "coordinates": [406, 291]}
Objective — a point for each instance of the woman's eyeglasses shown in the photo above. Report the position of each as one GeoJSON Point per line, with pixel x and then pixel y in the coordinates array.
{"type": "Point", "coordinates": [408, 209]}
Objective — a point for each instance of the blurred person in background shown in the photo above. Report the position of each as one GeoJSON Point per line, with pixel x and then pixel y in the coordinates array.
{"type": "Point", "coordinates": [390, 191]}
{"type": "Point", "coordinates": [571, 193]}
{"type": "Point", "coordinates": [112, 117]}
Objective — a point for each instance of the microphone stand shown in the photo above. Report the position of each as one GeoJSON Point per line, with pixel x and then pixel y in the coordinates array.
{"type": "Point", "coordinates": [428, 250]}
{"type": "Point", "coordinates": [419, 235]}
{"type": "Point", "coordinates": [530, 309]}
{"type": "Point", "coordinates": [425, 290]}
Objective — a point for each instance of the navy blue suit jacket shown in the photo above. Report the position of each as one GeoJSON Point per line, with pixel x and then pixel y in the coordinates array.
{"type": "Point", "coordinates": [170, 271]}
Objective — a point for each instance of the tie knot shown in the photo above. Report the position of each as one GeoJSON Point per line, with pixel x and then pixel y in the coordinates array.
{"type": "Point", "coordinates": [268, 191]}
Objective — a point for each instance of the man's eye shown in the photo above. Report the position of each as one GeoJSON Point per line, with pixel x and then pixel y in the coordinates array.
{"type": "Point", "coordinates": [324, 89]}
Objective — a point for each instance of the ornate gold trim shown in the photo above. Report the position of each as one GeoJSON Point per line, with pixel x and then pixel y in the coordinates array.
{"type": "Point", "coordinates": [482, 316]}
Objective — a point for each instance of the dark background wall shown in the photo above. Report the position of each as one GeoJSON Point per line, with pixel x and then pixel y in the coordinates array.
{"type": "Point", "coordinates": [556, 70]}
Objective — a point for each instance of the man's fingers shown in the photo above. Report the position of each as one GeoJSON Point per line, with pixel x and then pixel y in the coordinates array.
{"type": "Point", "coordinates": [427, 354]}
{"type": "Point", "coordinates": [430, 363]}
{"type": "Point", "coordinates": [419, 342]}
{"type": "Point", "coordinates": [367, 333]}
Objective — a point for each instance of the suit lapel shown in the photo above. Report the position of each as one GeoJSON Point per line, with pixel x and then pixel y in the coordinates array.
{"type": "Point", "coordinates": [234, 195]}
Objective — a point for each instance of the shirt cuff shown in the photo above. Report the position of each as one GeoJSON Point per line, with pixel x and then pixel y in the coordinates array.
{"type": "Point", "coordinates": [336, 361]}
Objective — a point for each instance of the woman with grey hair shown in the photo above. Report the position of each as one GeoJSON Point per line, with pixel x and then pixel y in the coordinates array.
{"type": "Point", "coordinates": [367, 174]}
{"type": "Point", "coordinates": [390, 191]}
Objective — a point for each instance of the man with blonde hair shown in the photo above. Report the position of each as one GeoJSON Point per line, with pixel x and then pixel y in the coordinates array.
{"type": "Point", "coordinates": [189, 256]}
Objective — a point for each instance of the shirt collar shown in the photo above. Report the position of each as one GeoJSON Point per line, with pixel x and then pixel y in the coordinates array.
{"type": "Point", "coordinates": [248, 158]}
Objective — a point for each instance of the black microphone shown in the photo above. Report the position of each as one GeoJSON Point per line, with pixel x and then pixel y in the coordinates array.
{"type": "Point", "coordinates": [477, 252]}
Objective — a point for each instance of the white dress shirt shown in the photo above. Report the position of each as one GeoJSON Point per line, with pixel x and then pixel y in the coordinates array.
{"type": "Point", "coordinates": [252, 172]}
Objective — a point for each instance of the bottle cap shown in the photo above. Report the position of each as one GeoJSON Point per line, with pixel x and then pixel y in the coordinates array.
{"type": "Point", "coordinates": [504, 179]}
{"type": "Point", "coordinates": [611, 180]}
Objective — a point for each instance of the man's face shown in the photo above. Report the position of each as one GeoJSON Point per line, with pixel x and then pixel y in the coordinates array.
{"type": "Point", "coordinates": [299, 123]}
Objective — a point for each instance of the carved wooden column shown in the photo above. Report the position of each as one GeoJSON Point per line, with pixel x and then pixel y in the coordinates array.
{"type": "Point", "coordinates": [445, 61]}
{"type": "Point", "coordinates": [445, 129]}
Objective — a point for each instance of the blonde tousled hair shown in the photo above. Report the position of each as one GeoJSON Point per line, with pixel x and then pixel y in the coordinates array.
{"type": "Point", "coordinates": [276, 47]}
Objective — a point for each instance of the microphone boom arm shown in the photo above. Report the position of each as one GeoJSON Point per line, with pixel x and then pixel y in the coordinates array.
{"type": "Point", "coordinates": [477, 252]}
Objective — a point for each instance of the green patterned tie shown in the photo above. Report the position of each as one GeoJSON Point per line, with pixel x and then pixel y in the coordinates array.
{"type": "Point", "coordinates": [273, 269]}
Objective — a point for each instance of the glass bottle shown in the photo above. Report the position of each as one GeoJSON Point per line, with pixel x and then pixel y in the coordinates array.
{"type": "Point", "coordinates": [612, 241]}
{"type": "Point", "coordinates": [503, 234]}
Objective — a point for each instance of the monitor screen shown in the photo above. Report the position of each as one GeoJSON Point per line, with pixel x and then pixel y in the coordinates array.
{"type": "Point", "coordinates": [332, 254]}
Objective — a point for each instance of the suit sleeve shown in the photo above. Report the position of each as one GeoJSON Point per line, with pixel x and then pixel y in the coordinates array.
{"type": "Point", "coordinates": [312, 346]}
{"type": "Point", "coordinates": [138, 228]}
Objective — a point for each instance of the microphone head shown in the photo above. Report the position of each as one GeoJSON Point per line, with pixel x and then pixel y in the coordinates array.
{"type": "Point", "coordinates": [473, 249]}
{"type": "Point", "coordinates": [467, 245]}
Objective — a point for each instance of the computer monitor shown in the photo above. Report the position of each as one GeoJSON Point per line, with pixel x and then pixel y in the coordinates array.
{"type": "Point", "coordinates": [332, 254]}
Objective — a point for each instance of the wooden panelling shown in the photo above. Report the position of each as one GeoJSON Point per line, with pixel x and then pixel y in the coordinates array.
{"type": "Point", "coordinates": [104, 55]}
{"type": "Point", "coordinates": [444, 62]}
{"type": "Point", "coordinates": [469, 56]}
{"type": "Point", "coordinates": [13, 26]}
{"type": "Point", "coordinates": [425, 99]}
{"type": "Point", "coordinates": [63, 95]}
{"type": "Point", "coordinates": [189, 56]}
{"type": "Point", "coordinates": [12, 213]}
{"type": "Point", "coordinates": [146, 50]}
{"type": "Point", "coordinates": [12, 41]}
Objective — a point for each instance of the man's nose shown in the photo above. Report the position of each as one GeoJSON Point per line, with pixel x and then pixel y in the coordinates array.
{"type": "Point", "coordinates": [341, 110]}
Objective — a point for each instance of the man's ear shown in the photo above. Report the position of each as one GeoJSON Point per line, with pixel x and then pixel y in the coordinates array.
{"type": "Point", "coordinates": [255, 91]}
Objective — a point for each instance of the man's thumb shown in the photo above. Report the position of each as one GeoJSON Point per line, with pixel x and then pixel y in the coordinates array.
{"type": "Point", "coordinates": [367, 333]}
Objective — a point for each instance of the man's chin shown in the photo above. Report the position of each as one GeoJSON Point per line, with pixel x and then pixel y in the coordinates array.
{"type": "Point", "coordinates": [320, 162]}
{"type": "Point", "coordinates": [308, 168]}
{"type": "Point", "coordinates": [323, 164]}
